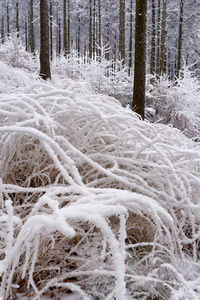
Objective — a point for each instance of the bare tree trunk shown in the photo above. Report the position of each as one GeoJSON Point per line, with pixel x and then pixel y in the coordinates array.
{"type": "Point", "coordinates": [68, 28]}
{"type": "Point", "coordinates": [31, 44]}
{"type": "Point", "coordinates": [99, 19]}
{"type": "Point", "coordinates": [180, 38]}
{"type": "Point", "coordinates": [26, 36]}
{"type": "Point", "coordinates": [64, 27]}
{"type": "Point", "coordinates": [140, 58]}
{"type": "Point", "coordinates": [158, 41]}
{"type": "Point", "coordinates": [17, 18]}
{"type": "Point", "coordinates": [153, 41]}
{"type": "Point", "coordinates": [2, 30]}
{"type": "Point", "coordinates": [8, 20]}
{"type": "Point", "coordinates": [131, 37]}
{"type": "Point", "coordinates": [90, 29]}
{"type": "Point", "coordinates": [51, 30]}
{"type": "Point", "coordinates": [163, 35]}
{"type": "Point", "coordinates": [94, 27]}
{"type": "Point", "coordinates": [122, 30]}
{"type": "Point", "coordinates": [44, 40]}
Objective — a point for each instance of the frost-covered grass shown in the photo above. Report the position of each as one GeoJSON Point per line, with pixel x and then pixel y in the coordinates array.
{"type": "Point", "coordinates": [94, 202]}
{"type": "Point", "coordinates": [178, 103]}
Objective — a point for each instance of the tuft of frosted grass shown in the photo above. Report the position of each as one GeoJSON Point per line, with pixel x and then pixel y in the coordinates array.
{"type": "Point", "coordinates": [178, 103]}
{"type": "Point", "coordinates": [93, 199]}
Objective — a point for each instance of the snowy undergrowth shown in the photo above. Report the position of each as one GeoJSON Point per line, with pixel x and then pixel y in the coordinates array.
{"type": "Point", "coordinates": [178, 103]}
{"type": "Point", "coordinates": [95, 201]}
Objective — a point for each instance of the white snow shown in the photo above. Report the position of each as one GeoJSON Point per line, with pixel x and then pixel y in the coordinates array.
{"type": "Point", "coordinates": [93, 199]}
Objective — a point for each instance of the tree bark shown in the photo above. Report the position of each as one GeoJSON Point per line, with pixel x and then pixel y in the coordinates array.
{"type": "Point", "coordinates": [51, 30]}
{"type": "Point", "coordinates": [68, 28]}
{"type": "Point", "coordinates": [158, 41]}
{"type": "Point", "coordinates": [2, 30]}
{"type": "Point", "coordinates": [131, 37]}
{"type": "Point", "coordinates": [99, 33]}
{"type": "Point", "coordinates": [180, 38]}
{"type": "Point", "coordinates": [31, 44]}
{"type": "Point", "coordinates": [140, 58]}
{"type": "Point", "coordinates": [122, 30]}
{"type": "Point", "coordinates": [64, 27]}
{"type": "Point", "coordinates": [90, 29]}
{"type": "Point", "coordinates": [163, 35]}
{"type": "Point", "coordinates": [8, 20]}
{"type": "Point", "coordinates": [44, 41]}
{"type": "Point", "coordinates": [153, 41]}
{"type": "Point", "coordinates": [17, 18]}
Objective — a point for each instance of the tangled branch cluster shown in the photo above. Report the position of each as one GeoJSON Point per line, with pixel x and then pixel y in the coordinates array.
{"type": "Point", "coordinates": [94, 200]}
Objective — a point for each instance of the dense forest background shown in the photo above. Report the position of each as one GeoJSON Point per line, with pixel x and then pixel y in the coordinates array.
{"type": "Point", "coordinates": [95, 202]}
{"type": "Point", "coordinates": [88, 26]}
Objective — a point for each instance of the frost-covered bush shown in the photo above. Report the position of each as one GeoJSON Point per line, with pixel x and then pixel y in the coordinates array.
{"type": "Point", "coordinates": [178, 103]}
{"type": "Point", "coordinates": [15, 79]}
{"type": "Point", "coordinates": [104, 76]}
{"type": "Point", "coordinates": [13, 53]}
{"type": "Point", "coordinates": [94, 200]}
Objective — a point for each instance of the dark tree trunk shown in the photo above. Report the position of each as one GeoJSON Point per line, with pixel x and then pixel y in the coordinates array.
{"type": "Point", "coordinates": [131, 37]}
{"type": "Point", "coordinates": [158, 41]}
{"type": "Point", "coordinates": [153, 41]}
{"type": "Point", "coordinates": [8, 20]}
{"type": "Point", "coordinates": [163, 35]}
{"type": "Point", "coordinates": [90, 29]}
{"type": "Point", "coordinates": [180, 38]}
{"type": "Point", "coordinates": [17, 18]}
{"type": "Point", "coordinates": [51, 30]}
{"type": "Point", "coordinates": [68, 29]}
{"type": "Point", "coordinates": [99, 19]}
{"type": "Point", "coordinates": [140, 57]}
{"type": "Point", "coordinates": [31, 44]}
{"type": "Point", "coordinates": [65, 27]}
{"type": "Point", "coordinates": [122, 30]}
{"type": "Point", "coordinates": [44, 40]}
{"type": "Point", "coordinates": [2, 30]}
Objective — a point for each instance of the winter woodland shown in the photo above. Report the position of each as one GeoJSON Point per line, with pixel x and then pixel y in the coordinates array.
{"type": "Point", "coordinates": [96, 203]}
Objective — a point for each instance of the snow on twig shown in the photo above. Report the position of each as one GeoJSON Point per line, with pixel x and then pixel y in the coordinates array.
{"type": "Point", "coordinates": [100, 199]}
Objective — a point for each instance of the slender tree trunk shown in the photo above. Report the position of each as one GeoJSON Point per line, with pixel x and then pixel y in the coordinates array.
{"type": "Point", "coordinates": [163, 36]}
{"type": "Point", "coordinates": [31, 44]}
{"type": "Point", "coordinates": [180, 38]}
{"type": "Point", "coordinates": [78, 36]}
{"type": "Point", "coordinates": [59, 36]}
{"type": "Point", "coordinates": [8, 20]}
{"type": "Point", "coordinates": [94, 27]}
{"type": "Point", "coordinates": [17, 18]}
{"type": "Point", "coordinates": [131, 37]}
{"type": "Point", "coordinates": [65, 27]}
{"type": "Point", "coordinates": [158, 41]}
{"type": "Point", "coordinates": [122, 30]}
{"type": "Point", "coordinates": [26, 36]}
{"type": "Point", "coordinates": [140, 58]}
{"type": "Point", "coordinates": [153, 41]}
{"type": "Point", "coordinates": [2, 30]}
{"type": "Point", "coordinates": [58, 31]}
{"type": "Point", "coordinates": [68, 29]}
{"type": "Point", "coordinates": [99, 19]}
{"type": "Point", "coordinates": [44, 40]}
{"type": "Point", "coordinates": [51, 30]}
{"type": "Point", "coordinates": [90, 29]}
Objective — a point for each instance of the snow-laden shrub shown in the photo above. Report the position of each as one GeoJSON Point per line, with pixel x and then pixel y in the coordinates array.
{"type": "Point", "coordinates": [179, 104]}
{"type": "Point", "coordinates": [15, 79]}
{"type": "Point", "coordinates": [94, 200]}
{"type": "Point", "coordinates": [104, 76]}
{"type": "Point", "coordinates": [13, 53]}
